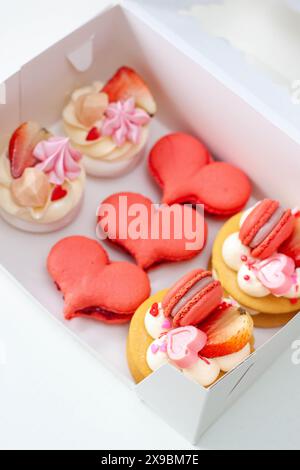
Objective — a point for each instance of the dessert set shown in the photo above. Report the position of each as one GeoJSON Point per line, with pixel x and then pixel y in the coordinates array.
{"type": "Point", "coordinates": [203, 325]}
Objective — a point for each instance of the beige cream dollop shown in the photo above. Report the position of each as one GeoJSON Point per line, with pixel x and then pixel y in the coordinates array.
{"type": "Point", "coordinates": [32, 189]}
{"type": "Point", "coordinates": [90, 108]}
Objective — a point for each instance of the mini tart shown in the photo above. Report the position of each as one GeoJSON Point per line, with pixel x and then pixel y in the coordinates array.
{"type": "Point", "coordinates": [139, 341]}
{"type": "Point", "coordinates": [29, 201]}
{"type": "Point", "coordinates": [105, 153]}
{"type": "Point", "coordinates": [270, 305]}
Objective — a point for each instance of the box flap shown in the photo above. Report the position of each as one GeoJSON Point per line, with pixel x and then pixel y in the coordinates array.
{"type": "Point", "coordinates": [10, 104]}
{"type": "Point", "coordinates": [179, 401]}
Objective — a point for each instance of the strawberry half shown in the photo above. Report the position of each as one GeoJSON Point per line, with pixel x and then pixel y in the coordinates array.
{"type": "Point", "coordinates": [22, 145]}
{"type": "Point", "coordinates": [228, 331]}
{"type": "Point", "coordinates": [291, 247]}
{"type": "Point", "coordinates": [127, 83]}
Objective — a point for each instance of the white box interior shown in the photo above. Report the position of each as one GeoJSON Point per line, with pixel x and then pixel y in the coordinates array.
{"type": "Point", "coordinates": [190, 99]}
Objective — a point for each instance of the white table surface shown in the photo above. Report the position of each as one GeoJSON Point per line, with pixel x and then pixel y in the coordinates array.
{"type": "Point", "coordinates": [62, 398]}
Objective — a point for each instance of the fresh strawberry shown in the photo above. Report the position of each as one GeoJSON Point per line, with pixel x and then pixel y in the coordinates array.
{"type": "Point", "coordinates": [58, 193]}
{"type": "Point", "coordinates": [22, 145]}
{"type": "Point", "coordinates": [94, 134]}
{"type": "Point", "coordinates": [127, 83]}
{"type": "Point", "coordinates": [291, 247]}
{"type": "Point", "coordinates": [228, 331]}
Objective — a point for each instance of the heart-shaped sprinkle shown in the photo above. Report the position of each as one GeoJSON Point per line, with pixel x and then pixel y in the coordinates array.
{"type": "Point", "coordinates": [58, 193]}
{"type": "Point", "coordinates": [94, 134]}
{"type": "Point", "coordinates": [167, 324]}
{"type": "Point", "coordinates": [154, 311]}
{"type": "Point", "coordinates": [154, 348]}
{"type": "Point", "coordinates": [164, 347]}
{"type": "Point", "coordinates": [276, 273]}
{"type": "Point", "coordinates": [184, 345]}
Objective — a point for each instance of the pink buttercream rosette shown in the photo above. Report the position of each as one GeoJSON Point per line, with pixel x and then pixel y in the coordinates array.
{"type": "Point", "coordinates": [58, 160]}
{"type": "Point", "coordinates": [123, 122]}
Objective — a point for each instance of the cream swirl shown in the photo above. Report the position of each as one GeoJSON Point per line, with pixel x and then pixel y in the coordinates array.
{"type": "Point", "coordinates": [58, 160]}
{"type": "Point", "coordinates": [157, 324]}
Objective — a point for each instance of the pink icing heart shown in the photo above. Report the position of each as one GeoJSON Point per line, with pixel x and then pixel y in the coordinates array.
{"type": "Point", "coordinates": [184, 344]}
{"type": "Point", "coordinates": [276, 273]}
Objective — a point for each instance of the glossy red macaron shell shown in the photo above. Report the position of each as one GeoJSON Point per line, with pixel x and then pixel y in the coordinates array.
{"type": "Point", "coordinates": [193, 298]}
{"type": "Point", "coordinates": [93, 286]}
{"type": "Point", "coordinates": [187, 173]}
{"type": "Point", "coordinates": [255, 222]}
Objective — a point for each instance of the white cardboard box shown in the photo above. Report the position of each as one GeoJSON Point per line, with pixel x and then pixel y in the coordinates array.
{"type": "Point", "coordinates": [194, 97]}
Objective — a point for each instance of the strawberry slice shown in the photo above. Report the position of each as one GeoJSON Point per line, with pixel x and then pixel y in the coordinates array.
{"type": "Point", "coordinates": [127, 83]}
{"type": "Point", "coordinates": [228, 330]}
{"type": "Point", "coordinates": [291, 247]}
{"type": "Point", "coordinates": [58, 193]}
{"type": "Point", "coordinates": [22, 145]}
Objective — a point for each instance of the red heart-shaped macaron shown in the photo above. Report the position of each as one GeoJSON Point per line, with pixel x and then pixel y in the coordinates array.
{"type": "Point", "coordinates": [185, 170]}
{"type": "Point", "coordinates": [94, 287]}
{"type": "Point", "coordinates": [120, 213]}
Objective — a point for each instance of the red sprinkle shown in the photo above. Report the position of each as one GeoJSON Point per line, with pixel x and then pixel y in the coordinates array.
{"type": "Point", "coordinates": [247, 278]}
{"type": "Point", "coordinates": [94, 134]}
{"type": "Point", "coordinates": [154, 310]}
{"type": "Point", "coordinates": [204, 360]}
{"type": "Point", "coordinates": [224, 306]}
{"type": "Point", "coordinates": [293, 301]}
{"type": "Point", "coordinates": [58, 193]}
{"type": "Point", "coordinates": [244, 258]}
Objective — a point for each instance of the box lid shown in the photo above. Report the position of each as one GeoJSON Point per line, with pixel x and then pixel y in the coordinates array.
{"type": "Point", "coordinates": [282, 100]}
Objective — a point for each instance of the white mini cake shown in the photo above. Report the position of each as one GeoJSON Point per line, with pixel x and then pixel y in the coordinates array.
{"type": "Point", "coordinates": [42, 180]}
{"type": "Point", "coordinates": [110, 125]}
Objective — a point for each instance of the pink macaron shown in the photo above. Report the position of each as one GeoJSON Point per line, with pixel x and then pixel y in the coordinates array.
{"type": "Point", "coordinates": [266, 228]}
{"type": "Point", "coordinates": [193, 298]}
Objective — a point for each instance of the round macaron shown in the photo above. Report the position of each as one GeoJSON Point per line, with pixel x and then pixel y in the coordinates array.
{"type": "Point", "coordinates": [193, 298]}
{"type": "Point", "coordinates": [266, 227]}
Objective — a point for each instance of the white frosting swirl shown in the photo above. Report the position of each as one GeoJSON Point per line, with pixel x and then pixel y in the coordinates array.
{"type": "Point", "coordinates": [156, 326]}
{"type": "Point", "coordinates": [233, 251]}
{"type": "Point", "coordinates": [156, 357]}
{"type": "Point", "coordinates": [204, 372]}
{"type": "Point", "coordinates": [230, 362]}
{"type": "Point", "coordinates": [249, 283]}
